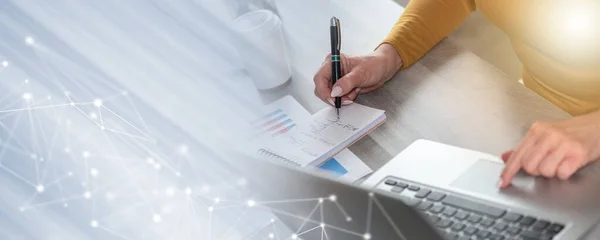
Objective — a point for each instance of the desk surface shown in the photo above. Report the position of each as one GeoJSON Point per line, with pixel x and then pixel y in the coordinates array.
{"type": "Point", "coordinates": [451, 95]}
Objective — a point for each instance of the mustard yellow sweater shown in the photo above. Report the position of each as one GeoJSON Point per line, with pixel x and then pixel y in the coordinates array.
{"type": "Point", "coordinates": [558, 42]}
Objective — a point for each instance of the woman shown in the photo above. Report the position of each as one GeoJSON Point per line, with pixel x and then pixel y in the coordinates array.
{"type": "Point", "coordinates": [558, 43]}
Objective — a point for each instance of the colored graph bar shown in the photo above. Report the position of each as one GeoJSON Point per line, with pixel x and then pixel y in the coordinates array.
{"type": "Point", "coordinates": [274, 120]}
{"type": "Point", "coordinates": [281, 124]}
{"type": "Point", "coordinates": [282, 131]}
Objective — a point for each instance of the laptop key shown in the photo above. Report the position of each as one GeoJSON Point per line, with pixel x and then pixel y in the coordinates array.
{"type": "Point", "coordinates": [540, 225]}
{"type": "Point", "coordinates": [461, 215]}
{"type": "Point", "coordinates": [474, 218]}
{"type": "Point", "coordinates": [497, 237]}
{"type": "Point", "coordinates": [512, 217]}
{"type": "Point", "coordinates": [449, 211]}
{"type": "Point", "coordinates": [413, 188]}
{"type": "Point", "coordinates": [457, 227]}
{"type": "Point", "coordinates": [531, 235]}
{"type": "Point", "coordinates": [434, 219]}
{"type": "Point", "coordinates": [422, 193]}
{"type": "Point", "coordinates": [527, 221]}
{"type": "Point", "coordinates": [556, 228]}
{"type": "Point", "coordinates": [437, 209]}
{"type": "Point", "coordinates": [423, 206]}
{"type": "Point", "coordinates": [397, 189]}
{"type": "Point", "coordinates": [436, 196]}
{"type": "Point", "coordinates": [500, 226]}
{"type": "Point", "coordinates": [483, 234]}
{"type": "Point", "coordinates": [401, 184]}
{"type": "Point", "coordinates": [470, 230]}
{"type": "Point", "coordinates": [467, 204]}
{"type": "Point", "coordinates": [514, 230]}
{"type": "Point", "coordinates": [391, 182]}
{"type": "Point", "coordinates": [444, 223]}
{"type": "Point", "coordinates": [487, 222]}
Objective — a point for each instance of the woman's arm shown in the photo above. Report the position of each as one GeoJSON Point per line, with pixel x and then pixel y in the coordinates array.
{"type": "Point", "coordinates": [423, 24]}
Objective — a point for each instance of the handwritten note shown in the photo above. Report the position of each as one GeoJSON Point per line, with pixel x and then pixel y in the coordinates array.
{"type": "Point", "coordinates": [326, 134]}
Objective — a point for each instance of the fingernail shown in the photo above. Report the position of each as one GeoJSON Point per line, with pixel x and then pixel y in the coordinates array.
{"type": "Point", "coordinates": [499, 183]}
{"type": "Point", "coordinates": [347, 102]}
{"type": "Point", "coordinates": [330, 101]}
{"type": "Point", "coordinates": [357, 90]}
{"type": "Point", "coordinates": [336, 91]}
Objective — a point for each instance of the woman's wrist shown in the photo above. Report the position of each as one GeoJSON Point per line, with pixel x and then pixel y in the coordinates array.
{"type": "Point", "coordinates": [392, 58]}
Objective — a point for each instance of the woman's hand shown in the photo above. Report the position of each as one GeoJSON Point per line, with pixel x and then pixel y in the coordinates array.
{"type": "Point", "coordinates": [361, 74]}
{"type": "Point", "coordinates": [555, 149]}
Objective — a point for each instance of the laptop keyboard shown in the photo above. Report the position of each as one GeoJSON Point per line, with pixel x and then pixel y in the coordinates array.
{"type": "Point", "coordinates": [465, 219]}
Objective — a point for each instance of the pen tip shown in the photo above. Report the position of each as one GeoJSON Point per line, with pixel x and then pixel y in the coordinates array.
{"type": "Point", "coordinates": [338, 112]}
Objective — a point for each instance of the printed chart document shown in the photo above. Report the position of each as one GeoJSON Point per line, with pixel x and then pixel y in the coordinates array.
{"type": "Point", "coordinates": [287, 132]}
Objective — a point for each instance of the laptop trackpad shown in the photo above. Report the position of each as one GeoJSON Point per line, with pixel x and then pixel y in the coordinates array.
{"type": "Point", "coordinates": [481, 178]}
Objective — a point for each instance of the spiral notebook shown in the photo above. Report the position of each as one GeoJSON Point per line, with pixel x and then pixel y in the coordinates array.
{"type": "Point", "coordinates": [320, 137]}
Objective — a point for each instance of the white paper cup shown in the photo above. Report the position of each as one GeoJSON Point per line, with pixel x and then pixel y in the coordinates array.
{"type": "Point", "coordinates": [262, 48]}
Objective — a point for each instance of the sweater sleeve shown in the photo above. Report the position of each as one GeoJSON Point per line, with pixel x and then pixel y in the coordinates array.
{"type": "Point", "coordinates": [423, 24]}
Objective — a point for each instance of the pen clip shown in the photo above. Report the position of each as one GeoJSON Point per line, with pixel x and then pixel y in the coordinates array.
{"type": "Point", "coordinates": [339, 35]}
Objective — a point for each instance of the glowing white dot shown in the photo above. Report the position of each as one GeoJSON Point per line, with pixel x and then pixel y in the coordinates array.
{"type": "Point", "coordinates": [87, 195]}
{"type": "Point", "coordinates": [21, 209]}
{"type": "Point", "coordinates": [272, 220]}
{"type": "Point", "coordinates": [67, 150]}
{"type": "Point", "coordinates": [33, 155]}
{"type": "Point", "coordinates": [26, 80]}
{"type": "Point", "coordinates": [93, 115]}
{"type": "Point", "coordinates": [5, 63]}
{"type": "Point", "coordinates": [94, 172]}
{"type": "Point", "coordinates": [322, 225]}
{"type": "Point", "coordinates": [102, 127]}
{"type": "Point", "coordinates": [294, 236]}
{"type": "Point", "coordinates": [348, 219]}
{"type": "Point", "coordinates": [178, 174]}
{"type": "Point", "coordinates": [157, 166]}
{"type": "Point", "coordinates": [367, 236]}
{"type": "Point", "coordinates": [66, 205]}
{"type": "Point", "coordinates": [332, 198]}
{"type": "Point", "coordinates": [170, 192]}
{"type": "Point", "coordinates": [217, 200]}
{"type": "Point", "coordinates": [29, 40]}
{"type": "Point", "coordinates": [94, 223]}
{"type": "Point", "coordinates": [210, 209]}
{"type": "Point", "coordinates": [150, 160]}
{"type": "Point", "coordinates": [49, 97]}
{"type": "Point", "coordinates": [271, 235]}
{"type": "Point", "coordinates": [156, 218]}
{"type": "Point", "coordinates": [98, 102]}
{"type": "Point", "coordinates": [320, 200]}
{"type": "Point", "coordinates": [371, 194]}
{"type": "Point", "coordinates": [40, 188]}
{"type": "Point", "coordinates": [183, 149]}
{"type": "Point", "coordinates": [188, 191]}
{"type": "Point", "coordinates": [70, 173]}
{"type": "Point", "coordinates": [251, 203]}
{"type": "Point", "coordinates": [72, 104]}
{"type": "Point", "coordinates": [85, 154]}
{"type": "Point", "coordinates": [27, 96]}
{"type": "Point", "coordinates": [41, 159]}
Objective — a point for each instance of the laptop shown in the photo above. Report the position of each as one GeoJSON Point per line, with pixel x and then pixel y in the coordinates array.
{"type": "Point", "coordinates": [429, 191]}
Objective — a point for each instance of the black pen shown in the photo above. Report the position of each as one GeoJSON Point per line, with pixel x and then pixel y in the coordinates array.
{"type": "Point", "coordinates": [336, 65]}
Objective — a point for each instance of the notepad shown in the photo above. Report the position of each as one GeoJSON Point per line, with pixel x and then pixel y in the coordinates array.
{"type": "Point", "coordinates": [324, 135]}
